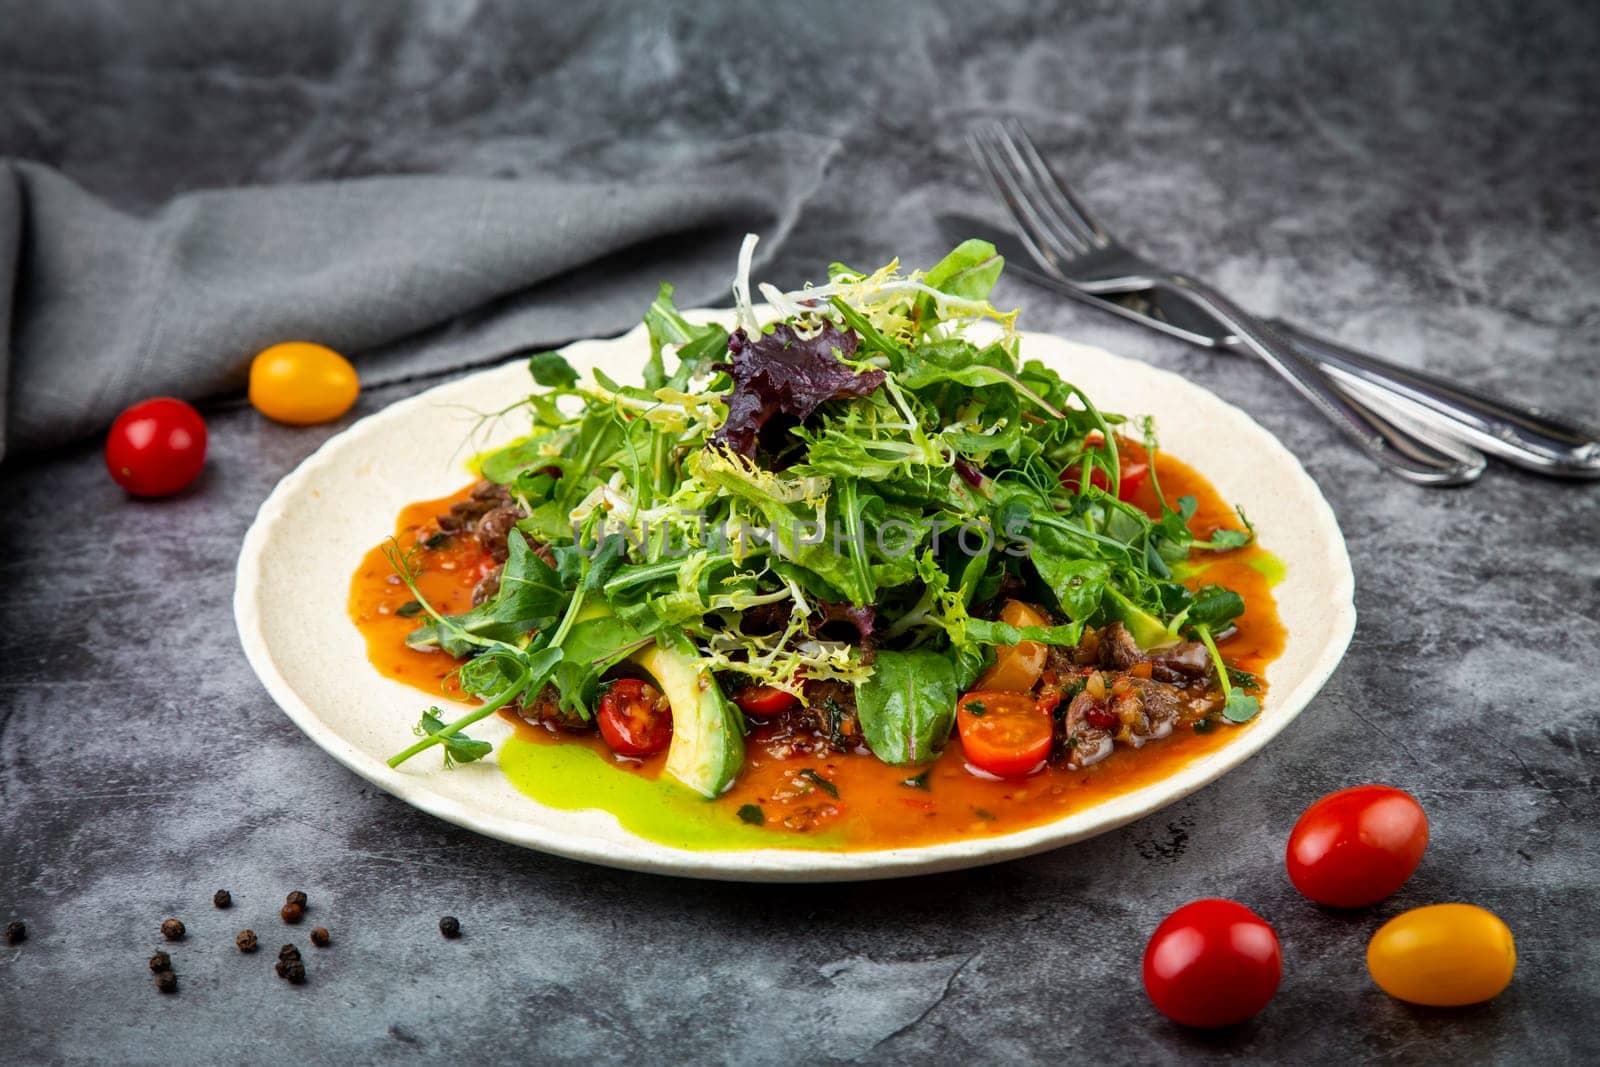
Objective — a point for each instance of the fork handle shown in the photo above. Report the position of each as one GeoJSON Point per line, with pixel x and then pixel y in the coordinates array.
{"type": "Point", "coordinates": [1422, 459]}
{"type": "Point", "coordinates": [1525, 437]}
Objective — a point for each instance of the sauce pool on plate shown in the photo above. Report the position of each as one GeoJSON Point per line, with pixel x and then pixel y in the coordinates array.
{"type": "Point", "coordinates": [784, 799]}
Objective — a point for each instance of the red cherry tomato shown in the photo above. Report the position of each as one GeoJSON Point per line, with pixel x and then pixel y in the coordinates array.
{"type": "Point", "coordinates": [1212, 963]}
{"type": "Point", "coordinates": [1133, 464]}
{"type": "Point", "coordinates": [635, 718]}
{"type": "Point", "coordinates": [1355, 847]}
{"type": "Point", "coordinates": [764, 701]}
{"type": "Point", "coordinates": [1003, 733]}
{"type": "Point", "coordinates": [156, 447]}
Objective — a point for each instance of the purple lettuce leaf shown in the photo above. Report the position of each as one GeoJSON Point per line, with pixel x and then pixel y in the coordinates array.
{"type": "Point", "coordinates": [781, 373]}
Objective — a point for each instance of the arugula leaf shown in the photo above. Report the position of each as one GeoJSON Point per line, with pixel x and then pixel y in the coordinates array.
{"type": "Point", "coordinates": [1003, 633]}
{"type": "Point", "coordinates": [698, 346]}
{"type": "Point", "coordinates": [908, 705]}
{"type": "Point", "coordinates": [1214, 607]}
{"type": "Point", "coordinates": [589, 649]}
{"type": "Point", "coordinates": [1079, 584]}
{"type": "Point", "coordinates": [969, 271]}
{"type": "Point", "coordinates": [954, 360]}
{"type": "Point", "coordinates": [871, 337]}
{"type": "Point", "coordinates": [531, 596]}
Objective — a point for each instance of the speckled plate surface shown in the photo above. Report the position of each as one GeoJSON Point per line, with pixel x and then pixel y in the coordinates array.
{"type": "Point", "coordinates": [297, 559]}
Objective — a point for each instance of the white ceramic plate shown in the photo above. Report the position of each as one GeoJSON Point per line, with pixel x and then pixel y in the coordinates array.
{"type": "Point", "coordinates": [298, 557]}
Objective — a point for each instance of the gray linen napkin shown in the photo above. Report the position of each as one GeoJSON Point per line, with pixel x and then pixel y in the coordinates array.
{"type": "Point", "coordinates": [405, 275]}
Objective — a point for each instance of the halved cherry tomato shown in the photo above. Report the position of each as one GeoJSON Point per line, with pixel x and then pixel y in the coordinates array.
{"type": "Point", "coordinates": [156, 447]}
{"type": "Point", "coordinates": [764, 701]}
{"type": "Point", "coordinates": [1356, 846]}
{"type": "Point", "coordinates": [1003, 733]}
{"type": "Point", "coordinates": [635, 719]}
{"type": "Point", "coordinates": [1016, 667]}
{"type": "Point", "coordinates": [1444, 955]}
{"type": "Point", "coordinates": [1133, 464]}
{"type": "Point", "coordinates": [1212, 963]}
{"type": "Point", "coordinates": [302, 383]}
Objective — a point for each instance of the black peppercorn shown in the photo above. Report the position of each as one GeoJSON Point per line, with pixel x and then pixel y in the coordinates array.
{"type": "Point", "coordinates": [160, 962]}
{"type": "Point", "coordinates": [292, 970]}
{"type": "Point", "coordinates": [16, 932]}
{"type": "Point", "coordinates": [246, 941]}
{"type": "Point", "coordinates": [172, 929]}
{"type": "Point", "coordinates": [319, 937]}
{"type": "Point", "coordinates": [222, 898]}
{"type": "Point", "coordinates": [296, 897]}
{"type": "Point", "coordinates": [166, 981]}
{"type": "Point", "coordinates": [292, 913]}
{"type": "Point", "coordinates": [450, 926]}
{"type": "Point", "coordinates": [289, 952]}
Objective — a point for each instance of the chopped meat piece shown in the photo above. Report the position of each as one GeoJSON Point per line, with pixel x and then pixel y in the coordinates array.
{"type": "Point", "coordinates": [544, 709]}
{"type": "Point", "coordinates": [1180, 663]}
{"type": "Point", "coordinates": [1058, 663]}
{"type": "Point", "coordinates": [487, 588]}
{"type": "Point", "coordinates": [485, 497]}
{"type": "Point", "coordinates": [1085, 743]}
{"type": "Point", "coordinates": [495, 526]}
{"type": "Point", "coordinates": [829, 711]}
{"type": "Point", "coordinates": [1118, 648]}
{"type": "Point", "coordinates": [1145, 710]}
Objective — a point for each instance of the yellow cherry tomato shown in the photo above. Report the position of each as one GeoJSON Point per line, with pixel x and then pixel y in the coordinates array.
{"type": "Point", "coordinates": [1016, 667]}
{"type": "Point", "coordinates": [1443, 956]}
{"type": "Point", "coordinates": [302, 383]}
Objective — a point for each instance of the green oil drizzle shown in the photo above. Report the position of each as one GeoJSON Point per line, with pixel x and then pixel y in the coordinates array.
{"type": "Point", "coordinates": [575, 777]}
{"type": "Point", "coordinates": [1261, 561]}
{"type": "Point", "coordinates": [1268, 566]}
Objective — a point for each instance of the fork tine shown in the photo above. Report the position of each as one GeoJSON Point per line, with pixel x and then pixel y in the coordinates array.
{"type": "Point", "coordinates": [991, 156]}
{"type": "Point", "coordinates": [1000, 181]}
{"type": "Point", "coordinates": [1071, 211]}
{"type": "Point", "coordinates": [1049, 228]}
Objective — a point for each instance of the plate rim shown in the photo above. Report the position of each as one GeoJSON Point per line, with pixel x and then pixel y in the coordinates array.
{"type": "Point", "coordinates": [757, 865]}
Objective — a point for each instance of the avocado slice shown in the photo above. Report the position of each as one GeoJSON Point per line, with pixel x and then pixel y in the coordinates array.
{"type": "Point", "coordinates": [707, 731]}
{"type": "Point", "coordinates": [1146, 629]}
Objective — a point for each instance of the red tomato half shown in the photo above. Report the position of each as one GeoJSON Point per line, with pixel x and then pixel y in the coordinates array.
{"type": "Point", "coordinates": [1212, 963]}
{"type": "Point", "coordinates": [764, 701]}
{"type": "Point", "coordinates": [1133, 465]}
{"type": "Point", "coordinates": [156, 447]}
{"type": "Point", "coordinates": [1355, 847]}
{"type": "Point", "coordinates": [1003, 733]}
{"type": "Point", "coordinates": [635, 719]}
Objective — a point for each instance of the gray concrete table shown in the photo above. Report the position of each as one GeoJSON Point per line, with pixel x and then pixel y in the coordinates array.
{"type": "Point", "coordinates": [1426, 181]}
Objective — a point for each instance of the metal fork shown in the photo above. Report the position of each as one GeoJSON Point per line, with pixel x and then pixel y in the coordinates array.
{"type": "Point", "coordinates": [1061, 232]}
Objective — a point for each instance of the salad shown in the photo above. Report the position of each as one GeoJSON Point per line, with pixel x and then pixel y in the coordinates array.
{"type": "Point", "coordinates": [859, 517]}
